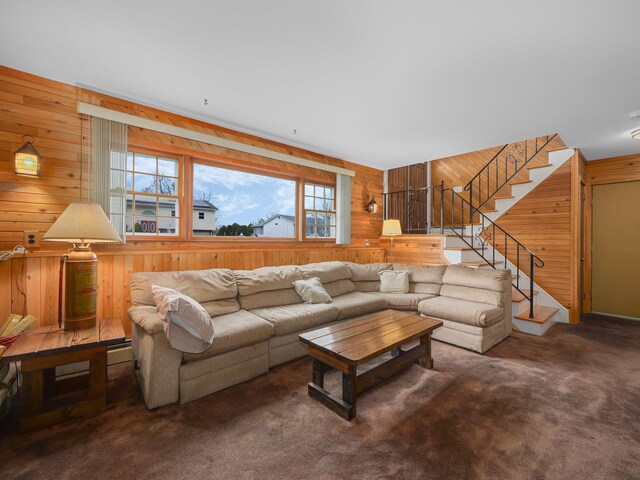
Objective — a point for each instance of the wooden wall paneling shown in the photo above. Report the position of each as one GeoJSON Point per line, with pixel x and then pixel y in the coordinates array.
{"type": "Point", "coordinates": [415, 249]}
{"type": "Point", "coordinates": [602, 172]}
{"type": "Point", "coordinates": [541, 221]}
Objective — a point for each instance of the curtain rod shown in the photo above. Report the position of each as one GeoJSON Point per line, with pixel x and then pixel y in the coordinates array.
{"type": "Point", "coordinates": [135, 121]}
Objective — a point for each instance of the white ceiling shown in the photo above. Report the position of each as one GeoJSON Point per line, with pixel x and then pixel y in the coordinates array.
{"type": "Point", "coordinates": [382, 83]}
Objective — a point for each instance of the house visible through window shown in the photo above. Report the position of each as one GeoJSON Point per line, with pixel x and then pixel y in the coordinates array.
{"type": "Point", "coordinates": [320, 211]}
{"type": "Point", "coordinates": [242, 204]}
{"type": "Point", "coordinates": [152, 194]}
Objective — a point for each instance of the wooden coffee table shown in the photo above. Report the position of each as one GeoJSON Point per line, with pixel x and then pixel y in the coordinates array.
{"type": "Point", "coordinates": [45, 400]}
{"type": "Point", "coordinates": [355, 342]}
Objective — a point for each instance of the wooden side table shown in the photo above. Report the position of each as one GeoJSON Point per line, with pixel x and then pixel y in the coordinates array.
{"type": "Point", "coordinates": [46, 401]}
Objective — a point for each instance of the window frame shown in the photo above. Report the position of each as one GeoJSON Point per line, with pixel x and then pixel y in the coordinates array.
{"type": "Point", "coordinates": [304, 210]}
{"type": "Point", "coordinates": [180, 192]}
{"type": "Point", "coordinates": [187, 158]}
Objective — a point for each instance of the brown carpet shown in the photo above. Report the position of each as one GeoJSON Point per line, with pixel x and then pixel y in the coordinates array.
{"type": "Point", "coordinates": [563, 406]}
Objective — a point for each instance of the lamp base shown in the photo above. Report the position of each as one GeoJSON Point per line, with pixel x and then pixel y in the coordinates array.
{"type": "Point", "coordinates": [81, 289]}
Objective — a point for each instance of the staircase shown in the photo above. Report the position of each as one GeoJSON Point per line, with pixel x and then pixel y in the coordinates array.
{"type": "Point", "coordinates": [474, 238]}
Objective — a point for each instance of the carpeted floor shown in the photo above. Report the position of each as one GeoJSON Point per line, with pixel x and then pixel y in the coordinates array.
{"type": "Point", "coordinates": [563, 406]}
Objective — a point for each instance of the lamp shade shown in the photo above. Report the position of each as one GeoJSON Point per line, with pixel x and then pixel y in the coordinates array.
{"type": "Point", "coordinates": [82, 222]}
{"type": "Point", "coordinates": [391, 227]}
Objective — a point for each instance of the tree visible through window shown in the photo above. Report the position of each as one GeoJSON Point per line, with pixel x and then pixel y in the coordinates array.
{"type": "Point", "coordinates": [320, 211]}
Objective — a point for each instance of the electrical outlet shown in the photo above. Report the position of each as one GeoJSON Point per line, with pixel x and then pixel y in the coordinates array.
{"type": "Point", "coordinates": [31, 239]}
{"type": "Point", "coordinates": [367, 243]}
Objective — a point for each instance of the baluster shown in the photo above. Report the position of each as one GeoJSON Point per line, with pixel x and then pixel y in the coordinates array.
{"type": "Point", "coordinates": [531, 266]}
{"type": "Point", "coordinates": [442, 207]}
{"type": "Point", "coordinates": [518, 266]}
{"type": "Point", "coordinates": [471, 202]}
{"type": "Point", "coordinates": [493, 237]}
{"type": "Point", "coordinates": [505, 249]}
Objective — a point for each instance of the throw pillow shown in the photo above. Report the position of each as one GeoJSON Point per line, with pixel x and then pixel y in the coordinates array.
{"type": "Point", "coordinates": [394, 281]}
{"type": "Point", "coordinates": [187, 325]}
{"type": "Point", "coordinates": [311, 291]}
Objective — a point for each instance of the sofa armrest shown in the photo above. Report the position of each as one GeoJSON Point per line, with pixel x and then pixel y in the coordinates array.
{"type": "Point", "coordinates": [146, 317]}
{"type": "Point", "coordinates": [157, 367]}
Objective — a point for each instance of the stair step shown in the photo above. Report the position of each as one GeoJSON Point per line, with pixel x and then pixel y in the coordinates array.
{"type": "Point", "coordinates": [540, 314]}
{"type": "Point", "coordinates": [472, 264]}
{"type": "Point", "coordinates": [518, 297]}
{"type": "Point", "coordinates": [462, 249]}
{"type": "Point", "coordinates": [488, 211]}
{"type": "Point", "coordinates": [539, 166]}
{"type": "Point", "coordinates": [520, 182]}
{"type": "Point", "coordinates": [502, 197]}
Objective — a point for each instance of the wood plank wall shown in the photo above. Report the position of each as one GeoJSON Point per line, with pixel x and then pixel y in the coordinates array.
{"type": "Point", "coordinates": [541, 221]}
{"type": "Point", "coordinates": [415, 249]}
{"type": "Point", "coordinates": [46, 110]}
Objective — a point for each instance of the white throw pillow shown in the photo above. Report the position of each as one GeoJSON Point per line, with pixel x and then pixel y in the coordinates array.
{"type": "Point", "coordinates": [311, 291]}
{"type": "Point", "coordinates": [187, 325]}
{"type": "Point", "coordinates": [394, 281]}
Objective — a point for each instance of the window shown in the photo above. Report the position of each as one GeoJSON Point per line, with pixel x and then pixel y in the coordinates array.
{"type": "Point", "coordinates": [152, 194]}
{"type": "Point", "coordinates": [319, 211]}
{"type": "Point", "coordinates": [242, 204]}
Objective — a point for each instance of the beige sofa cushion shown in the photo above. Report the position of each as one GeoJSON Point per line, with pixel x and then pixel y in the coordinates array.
{"type": "Point", "coordinates": [334, 276]}
{"type": "Point", "coordinates": [267, 287]}
{"type": "Point", "coordinates": [146, 316]}
{"type": "Point", "coordinates": [294, 318]}
{"type": "Point", "coordinates": [485, 278]}
{"type": "Point", "coordinates": [367, 271]}
{"type": "Point", "coordinates": [423, 278]}
{"type": "Point", "coordinates": [463, 311]}
{"type": "Point", "coordinates": [214, 289]}
{"type": "Point", "coordinates": [367, 286]}
{"type": "Point", "coordinates": [479, 295]}
{"type": "Point", "coordinates": [394, 281]}
{"type": "Point", "coordinates": [358, 303]}
{"type": "Point", "coordinates": [234, 331]}
{"type": "Point", "coordinates": [403, 301]}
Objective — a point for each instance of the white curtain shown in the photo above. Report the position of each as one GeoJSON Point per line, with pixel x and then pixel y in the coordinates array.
{"type": "Point", "coordinates": [343, 209]}
{"type": "Point", "coordinates": [109, 165]}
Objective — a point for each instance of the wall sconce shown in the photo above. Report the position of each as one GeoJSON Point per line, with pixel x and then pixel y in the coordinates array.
{"type": "Point", "coordinates": [372, 206]}
{"type": "Point", "coordinates": [27, 159]}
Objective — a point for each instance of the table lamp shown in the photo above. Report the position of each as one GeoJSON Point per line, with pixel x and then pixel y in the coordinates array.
{"type": "Point", "coordinates": [81, 224]}
{"type": "Point", "coordinates": [391, 228]}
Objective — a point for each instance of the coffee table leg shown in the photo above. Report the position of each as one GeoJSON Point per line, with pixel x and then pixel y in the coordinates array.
{"type": "Point", "coordinates": [318, 373]}
{"type": "Point", "coordinates": [426, 361]}
{"type": "Point", "coordinates": [349, 394]}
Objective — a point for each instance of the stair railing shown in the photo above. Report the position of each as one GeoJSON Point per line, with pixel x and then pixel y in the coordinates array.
{"type": "Point", "coordinates": [446, 210]}
{"type": "Point", "coordinates": [505, 165]}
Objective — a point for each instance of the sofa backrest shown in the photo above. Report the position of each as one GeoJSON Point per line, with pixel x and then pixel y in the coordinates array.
{"type": "Point", "coordinates": [365, 276]}
{"type": "Point", "coordinates": [215, 289]}
{"type": "Point", "coordinates": [334, 276]}
{"type": "Point", "coordinates": [267, 287]}
{"type": "Point", "coordinates": [423, 278]}
{"type": "Point", "coordinates": [476, 284]}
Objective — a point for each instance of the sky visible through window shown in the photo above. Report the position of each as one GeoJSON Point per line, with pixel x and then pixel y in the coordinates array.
{"type": "Point", "coordinates": [241, 197]}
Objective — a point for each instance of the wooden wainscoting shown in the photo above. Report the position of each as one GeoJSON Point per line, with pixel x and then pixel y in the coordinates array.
{"type": "Point", "coordinates": [37, 274]}
{"type": "Point", "coordinates": [416, 249]}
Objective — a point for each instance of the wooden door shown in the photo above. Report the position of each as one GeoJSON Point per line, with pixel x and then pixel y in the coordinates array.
{"type": "Point", "coordinates": [616, 249]}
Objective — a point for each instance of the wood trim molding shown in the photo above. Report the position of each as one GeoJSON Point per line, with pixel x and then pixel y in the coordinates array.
{"type": "Point", "coordinates": [133, 120]}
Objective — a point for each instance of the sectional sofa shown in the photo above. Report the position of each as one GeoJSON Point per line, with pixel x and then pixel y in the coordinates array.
{"type": "Point", "coordinates": [258, 317]}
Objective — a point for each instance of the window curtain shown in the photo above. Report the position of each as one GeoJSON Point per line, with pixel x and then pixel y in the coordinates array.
{"type": "Point", "coordinates": [343, 209]}
{"type": "Point", "coordinates": [109, 165]}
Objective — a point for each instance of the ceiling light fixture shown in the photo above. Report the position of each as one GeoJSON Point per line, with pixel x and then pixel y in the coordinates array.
{"type": "Point", "coordinates": [636, 134]}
